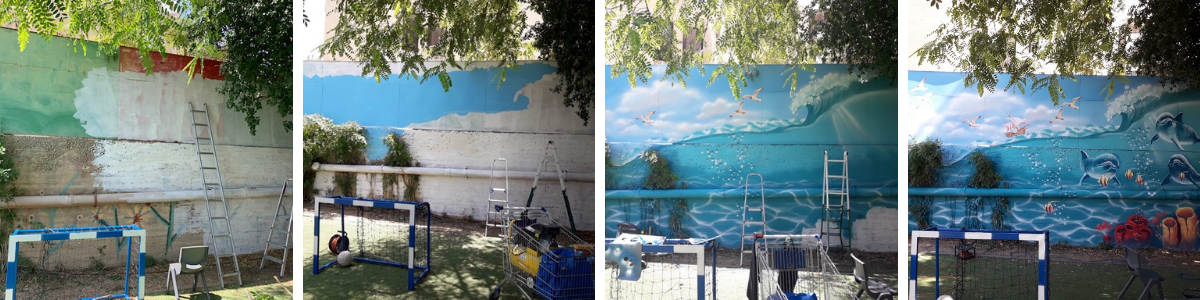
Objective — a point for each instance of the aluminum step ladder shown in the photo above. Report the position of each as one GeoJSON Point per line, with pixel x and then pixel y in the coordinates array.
{"type": "Point", "coordinates": [286, 214]}
{"type": "Point", "coordinates": [552, 153]}
{"type": "Point", "coordinates": [746, 210]}
{"type": "Point", "coordinates": [497, 206]}
{"type": "Point", "coordinates": [835, 201]}
{"type": "Point", "coordinates": [214, 191]}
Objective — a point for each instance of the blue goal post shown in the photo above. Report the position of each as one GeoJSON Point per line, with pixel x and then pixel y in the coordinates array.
{"type": "Point", "coordinates": [416, 270]}
{"type": "Point", "coordinates": [1041, 237]}
{"type": "Point", "coordinates": [703, 249]}
{"type": "Point", "coordinates": [80, 233]}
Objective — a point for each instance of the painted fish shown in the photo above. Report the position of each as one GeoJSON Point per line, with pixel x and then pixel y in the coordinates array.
{"type": "Point", "coordinates": [1171, 129]}
{"type": "Point", "coordinates": [1129, 174]}
{"type": "Point", "coordinates": [1103, 167]}
{"type": "Point", "coordinates": [1049, 207]}
{"type": "Point", "coordinates": [1179, 165]}
{"type": "Point", "coordinates": [1140, 181]}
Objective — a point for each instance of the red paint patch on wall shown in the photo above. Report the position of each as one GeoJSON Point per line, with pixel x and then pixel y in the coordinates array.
{"type": "Point", "coordinates": [131, 61]}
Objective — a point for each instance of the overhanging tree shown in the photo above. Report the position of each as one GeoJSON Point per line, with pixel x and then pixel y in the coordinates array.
{"type": "Point", "coordinates": [253, 37]}
{"type": "Point", "coordinates": [250, 33]}
{"type": "Point", "coordinates": [380, 32]}
{"type": "Point", "coordinates": [860, 33]}
{"type": "Point", "coordinates": [1069, 37]}
{"type": "Point", "coordinates": [1169, 45]}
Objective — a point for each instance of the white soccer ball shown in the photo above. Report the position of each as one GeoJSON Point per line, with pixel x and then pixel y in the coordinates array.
{"type": "Point", "coordinates": [344, 258]}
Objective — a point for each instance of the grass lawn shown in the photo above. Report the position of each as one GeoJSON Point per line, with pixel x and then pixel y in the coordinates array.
{"type": "Point", "coordinates": [280, 290]}
{"type": "Point", "coordinates": [465, 265]}
{"type": "Point", "coordinates": [72, 284]}
{"type": "Point", "coordinates": [1068, 280]}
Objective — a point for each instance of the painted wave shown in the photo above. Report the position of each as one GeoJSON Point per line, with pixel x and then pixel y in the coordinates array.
{"type": "Point", "coordinates": [751, 127]}
{"type": "Point", "coordinates": [820, 94]}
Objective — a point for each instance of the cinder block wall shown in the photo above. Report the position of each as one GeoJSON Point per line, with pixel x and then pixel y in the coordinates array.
{"type": "Point", "coordinates": [87, 125]}
{"type": "Point", "coordinates": [464, 128]}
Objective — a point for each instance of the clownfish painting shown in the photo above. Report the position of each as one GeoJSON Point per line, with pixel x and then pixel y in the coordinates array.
{"type": "Point", "coordinates": [1049, 207]}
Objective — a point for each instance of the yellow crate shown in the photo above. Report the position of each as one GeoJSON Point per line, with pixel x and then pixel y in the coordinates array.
{"type": "Point", "coordinates": [525, 258]}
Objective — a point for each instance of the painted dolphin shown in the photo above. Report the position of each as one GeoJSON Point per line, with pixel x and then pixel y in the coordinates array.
{"type": "Point", "coordinates": [1101, 166]}
{"type": "Point", "coordinates": [1171, 129]}
{"type": "Point", "coordinates": [1180, 171]}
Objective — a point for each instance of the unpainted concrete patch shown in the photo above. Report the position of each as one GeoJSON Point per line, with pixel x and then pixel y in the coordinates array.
{"type": "Point", "coordinates": [55, 165]}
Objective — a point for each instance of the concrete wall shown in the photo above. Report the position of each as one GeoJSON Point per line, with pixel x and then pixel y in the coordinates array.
{"type": "Point", "coordinates": [783, 137]}
{"type": "Point", "coordinates": [1115, 170]}
{"type": "Point", "coordinates": [90, 125]}
{"type": "Point", "coordinates": [476, 121]}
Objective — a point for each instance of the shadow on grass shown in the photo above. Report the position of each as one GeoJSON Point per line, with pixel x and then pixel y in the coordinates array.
{"type": "Point", "coordinates": [1068, 280]}
{"type": "Point", "coordinates": [464, 266]}
{"type": "Point", "coordinates": [200, 296]}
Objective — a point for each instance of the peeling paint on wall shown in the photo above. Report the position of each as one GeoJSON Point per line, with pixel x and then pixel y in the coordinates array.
{"type": "Point", "coordinates": [89, 125]}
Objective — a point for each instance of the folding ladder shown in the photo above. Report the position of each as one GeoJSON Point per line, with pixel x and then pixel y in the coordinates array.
{"type": "Point", "coordinates": [286, 214]}
{"type": "Point", "coordinates": [496, 206]}
{"type": "Point", "coordinates": [835, 201]}
{"type": "Point", "coordinates": [552, 153]}
{"type": "Point", "coordinates": [746, 210]}
{"type": "Point", "coordinates": [210, 176]}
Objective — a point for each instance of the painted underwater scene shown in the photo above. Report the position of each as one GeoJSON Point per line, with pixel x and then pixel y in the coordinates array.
{"type": "Point", "coordinates": [713, 140]}
{"type": "Point", "coordinates": [1093, 170]}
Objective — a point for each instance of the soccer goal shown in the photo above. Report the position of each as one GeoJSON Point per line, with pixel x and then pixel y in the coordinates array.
{"type": "Point", "coordinates": [58, 262]}
{"type": "Point", "coordinates": [381, 232]}
{"type": "Point", "coordinates": [979, 264]}
{"type": "Point", "coordinates": [669, 269]}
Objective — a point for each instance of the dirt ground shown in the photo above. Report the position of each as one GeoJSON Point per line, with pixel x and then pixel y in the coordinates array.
{"type": "Point", "coordinates": [40, 284]}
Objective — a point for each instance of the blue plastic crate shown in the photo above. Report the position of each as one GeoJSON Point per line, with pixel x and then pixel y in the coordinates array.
{"type": "Point", "coordinates": [565, 274]}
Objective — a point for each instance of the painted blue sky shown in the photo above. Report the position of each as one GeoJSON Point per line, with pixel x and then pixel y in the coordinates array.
{"type": "Point", "coordinates": [681, 111]}
{"type": "Point", "coordinates": [389, 103]}
{"type": "Point", "coordinates": [941, 109]}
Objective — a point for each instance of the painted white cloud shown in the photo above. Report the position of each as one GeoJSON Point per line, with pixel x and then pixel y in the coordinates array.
{"type": "Point", "coordinates": [944, 118]}
{"type": "Point", "coordinates": [647, 98]}
{"type": "Point", "coordinates": [720, 107]}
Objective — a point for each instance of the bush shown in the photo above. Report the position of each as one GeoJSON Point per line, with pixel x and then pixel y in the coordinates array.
{"type": "Point", "coordinates": [985, 175]}
{"type": "Point", "coordinates": [660, 176]}
{"type": "Point", "coordinates": [8, 190]}
{"type": "Point", "coordinates": [325, 142]}
{"type": "Point", "coordinates": [398, 156]}
{"type": "Point", "coordinates": [924, 163]}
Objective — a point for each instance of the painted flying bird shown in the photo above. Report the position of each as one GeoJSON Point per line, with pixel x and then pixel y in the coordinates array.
{"type": "Point", "coordinates": [646, 119]}
{"type": "Point", "coordinates": [971, 122]}
{"type": "Point", "coordinates": [920, 86]}
{"type": "Point", "coordinates": [1072, 103]}
{"type": "Point", "coordinates": [753, 96]}
{"type": "Point", "coordinates": [739, 110]}
{"type": "Point", "coordinates": [1059, 117]}
{"type": "Point", "coordinates": [925, 98]}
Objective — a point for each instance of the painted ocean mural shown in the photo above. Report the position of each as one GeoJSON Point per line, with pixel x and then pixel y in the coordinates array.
{"type": "Point", "coordinates": [1093, 169]}
{"type": "Point", "coordinates": [714, 139]}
